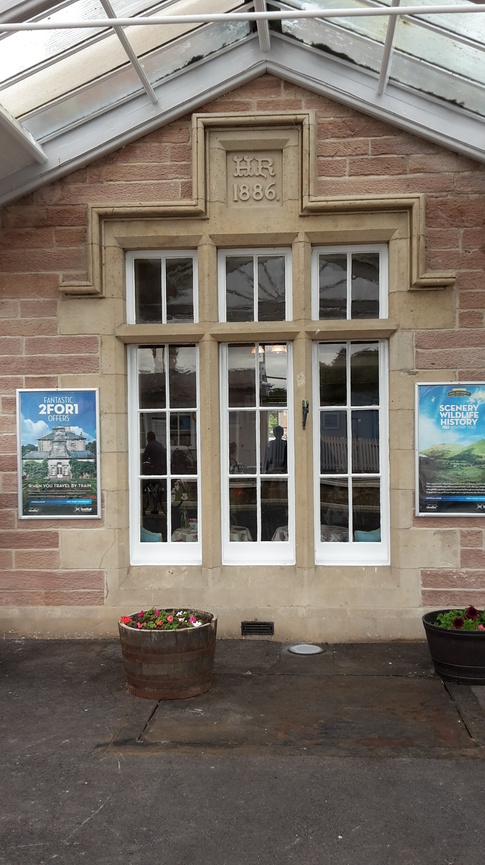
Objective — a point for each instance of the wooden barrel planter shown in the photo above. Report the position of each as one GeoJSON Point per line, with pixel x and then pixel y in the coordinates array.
{"type": "Point", "coordinates": [457, 655]}
{"type": "Point", "coordinates": [169, 665]}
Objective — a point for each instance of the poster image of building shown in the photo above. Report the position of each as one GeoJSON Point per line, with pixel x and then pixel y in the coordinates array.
{"type": "Point", "coordinates": [450, 449]}
{"type": "Point", "coordinates": [58, 453]}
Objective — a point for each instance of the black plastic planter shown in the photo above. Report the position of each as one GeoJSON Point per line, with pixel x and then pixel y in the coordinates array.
{"type": "Point", "coordinates": [458, 656]}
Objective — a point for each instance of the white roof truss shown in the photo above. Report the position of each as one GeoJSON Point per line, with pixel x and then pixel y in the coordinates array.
{"type": "Point", "coordinates": [155, 80]}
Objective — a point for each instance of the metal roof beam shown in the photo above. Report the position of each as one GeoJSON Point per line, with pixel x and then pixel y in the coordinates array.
{"type": "Point", "coordinates": [280, 15]}
{"type": "Point", "coordinates": [263, 27]}
{"type": "Point", "coordinates": [17, 146]}
{"type": "Point", "coordinates": [387, 53]}
{"type": "Point", "coordinates": [130, 53]}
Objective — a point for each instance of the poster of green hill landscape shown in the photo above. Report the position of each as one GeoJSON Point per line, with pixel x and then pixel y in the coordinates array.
{"type": "Point", "coordinates": [450, 464]}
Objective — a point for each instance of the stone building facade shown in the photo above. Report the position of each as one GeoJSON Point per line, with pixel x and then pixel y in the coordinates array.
{"type": "Point", "coordinates": [269, 171]}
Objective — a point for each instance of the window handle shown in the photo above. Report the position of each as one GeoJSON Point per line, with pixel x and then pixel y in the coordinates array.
{"type": "Point", "coordinates": [305, 407]}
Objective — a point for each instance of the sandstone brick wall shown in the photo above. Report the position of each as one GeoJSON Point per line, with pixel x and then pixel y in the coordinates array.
{"type": "Point", "coordinates": [43, 241]}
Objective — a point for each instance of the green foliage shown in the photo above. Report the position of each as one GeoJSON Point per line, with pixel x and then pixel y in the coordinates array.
{"type": "Point", "coordinates": [82, 469]}
{"type": "Point", "coordinates": [27, 448]}
{"type": "Point", "coordinates": [35, 470]}
{"type": "Point", "coordinates": [467, 619]}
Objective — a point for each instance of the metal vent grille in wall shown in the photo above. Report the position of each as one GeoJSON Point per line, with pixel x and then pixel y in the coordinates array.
{"type": "Point", "coordinates": [261, 629]}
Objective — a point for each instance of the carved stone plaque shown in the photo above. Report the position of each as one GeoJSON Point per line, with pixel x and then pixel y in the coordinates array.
{"type": "Point", "coordinates": [254, 178]}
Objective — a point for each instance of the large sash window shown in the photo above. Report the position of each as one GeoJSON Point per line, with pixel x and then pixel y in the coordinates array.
{"type": "Point", "coordinates": [164, 453]}
{"type": "Point", "coordinates": [245, 433]}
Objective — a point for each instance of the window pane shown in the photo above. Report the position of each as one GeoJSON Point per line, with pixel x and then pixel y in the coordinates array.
{"type": "Point", "coordinates": [153, 509]}
{"type": "Point", "coordinates": [183, 511]}
{"type": "Point", "coordinates": [365, 441]}
{"type": "Point", "coordinates": [151, 377]}
{"type": "Point", "coordinates": [273, 447]}
{"type": "Point", "coordinates": [180, 289]}
{"type": "Point", "coordinates": [153, 444]}
{"type": "Point", "coordinates": [242, 375]}
{"type": "Point", "coordinates": [274, 510]}
{"type": "Point", "coordinates": [242, 442]}
{"type": "Point", "coordinates": [364, 364]}
{"type": "Point", "coordinates": [332, 274]}
{"type": "Point", "coordinates": [243, 510]}
{"type": "Point", "coordinates": [365, 285]}
{"type": "Point", "coordinates": [273, 374]}
{"type": "Point", "coordinates": [148, 290]}
{"type": "Point", "coordinates": [334, 511]}
{"type": "Point", "coordinates": [333, 442]}
{"type": "Point", "coordinates": [182, 376]}
{"type": "Point", "coordinates": [333, 373]}
{"type": "Point", "coordinates": [183, 443]}
{"type": "Point", "coordinates": [366, 510]}
{"type": "Point", "coordinates": [271, 288]}
{"type": "Point", "coordinates": [239, 288]}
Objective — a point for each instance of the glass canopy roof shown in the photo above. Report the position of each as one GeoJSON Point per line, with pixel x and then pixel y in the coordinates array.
{"type": "Point", "coordinates": [66, 66]}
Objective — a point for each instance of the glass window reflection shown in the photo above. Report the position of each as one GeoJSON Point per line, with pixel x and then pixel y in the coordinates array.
{"type": "Point", "coordinates": [254, 286]}
{"type": "Point", "coordinates": [164, 288]}
{"type": "Point", "coordinates": [242, 360]}
{"type": "Point", "coordinates": [332, 295]}
{"type": "Point", "coordinates": [349, 441]}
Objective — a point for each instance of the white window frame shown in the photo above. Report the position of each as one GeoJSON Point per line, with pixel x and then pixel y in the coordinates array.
{"type": "Point", "coordinates": [348, 249]}
{"type": "Point", "coordinates": [223, 254]}
{"type": "Point", "coordinates": [165, 552]}
{"type": "Point", "coordinates": [353, 552]}
{"type": "Point", "coordinates": [163, 256]}
{"type": "Point", "coordinates": [255, 552]}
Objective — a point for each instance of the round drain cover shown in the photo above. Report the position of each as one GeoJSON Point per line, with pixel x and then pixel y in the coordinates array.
{"type": "Point", "coordinates": [305, 649]}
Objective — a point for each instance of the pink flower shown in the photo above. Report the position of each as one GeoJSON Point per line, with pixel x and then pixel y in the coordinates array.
{"type": "Point", "coordinates": [169, 618]}
{"type": "Point", "coordinates": [139, 625]}
{"type": "Point", "coordinates": [481, 628]}
{"type": "Point", "coordinates": [192, 619]}
{"type": "Point", "coordinates": [159, 623]}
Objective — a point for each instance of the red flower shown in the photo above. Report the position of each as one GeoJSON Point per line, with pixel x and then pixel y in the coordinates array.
{"type": "Point", "coordinates": [472, 613]}
{"type": "Point", "coordinates": [458, 622]}
{"type": "Point", "coordinates": [169, 618]}
{"type": "Point", "coordinates": [125, 620]}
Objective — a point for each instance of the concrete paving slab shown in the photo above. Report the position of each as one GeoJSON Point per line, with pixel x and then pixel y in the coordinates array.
{"type": "Point", "coordinates": [372, 699]}
{"type": "Point", "coordinates": [248, 714]}
{"type": "Point", "coordinates": [69, 797]}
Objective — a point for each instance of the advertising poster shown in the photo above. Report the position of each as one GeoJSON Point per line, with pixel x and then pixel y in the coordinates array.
{"type": "Point", "coordinates": [58, 453]}
{"type": "Point", "coordinates": [450, 436]}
